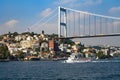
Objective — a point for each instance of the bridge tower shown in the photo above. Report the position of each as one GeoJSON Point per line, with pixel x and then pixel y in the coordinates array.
{"type": "Point", "coordinates": [62, 21]}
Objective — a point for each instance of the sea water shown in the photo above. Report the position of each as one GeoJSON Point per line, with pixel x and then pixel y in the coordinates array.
{"type": "Point", "coordinates": [57, 70]}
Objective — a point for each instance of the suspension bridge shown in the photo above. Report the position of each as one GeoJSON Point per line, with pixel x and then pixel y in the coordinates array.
{"type": "Point", "coordinates": [72, 23]}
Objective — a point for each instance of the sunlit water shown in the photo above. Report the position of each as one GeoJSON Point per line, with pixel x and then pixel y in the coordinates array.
{"type": "Point", "coordinates": [58, 70]}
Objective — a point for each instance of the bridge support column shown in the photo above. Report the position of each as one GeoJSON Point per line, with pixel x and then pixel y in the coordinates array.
{"type": "Point", "coordinates": [62, 21]}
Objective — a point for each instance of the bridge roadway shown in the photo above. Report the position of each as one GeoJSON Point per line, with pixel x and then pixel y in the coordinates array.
{"type": "Point", "coordinates": [88, 36]}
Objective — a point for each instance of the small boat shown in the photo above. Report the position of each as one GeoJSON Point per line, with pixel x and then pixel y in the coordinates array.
{"type": "Point", "coordinates": [76, 58]}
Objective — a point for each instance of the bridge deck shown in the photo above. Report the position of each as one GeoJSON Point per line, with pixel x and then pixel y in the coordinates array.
{"type": "Point", "coordinates": [109, 35]}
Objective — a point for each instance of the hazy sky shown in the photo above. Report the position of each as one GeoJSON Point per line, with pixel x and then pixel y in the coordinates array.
{"type": "Point", "coordinates": [19, 15]}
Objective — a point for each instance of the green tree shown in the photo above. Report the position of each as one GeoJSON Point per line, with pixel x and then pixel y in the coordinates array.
{"type": "Point", "coordinates": [9, 34]}
{"type": "Point", "coordinates": [1, 37]}
{"type": "Point", "coordinates": [101, 55]}
{"type": "Point", "coordinates": [37, 49]}
{"type": "Point", "coordinates": [20, 55]}
{"type": "Point", "coordinates": [15, 34]}
{"type": "Point", "coordinates": [43, 32]}
{"type": "Point", "coordinates": [24, 33]}
{"type": "Point", "coordinates": [67, 41]}
{"type": "Point", "coordinates": [4, 53]}
{"type": "Point", "coordinates": [32, 33]}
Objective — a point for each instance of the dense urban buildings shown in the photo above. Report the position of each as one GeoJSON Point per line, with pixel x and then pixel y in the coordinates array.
{"type": "Point", "coordinates": [31, 46]}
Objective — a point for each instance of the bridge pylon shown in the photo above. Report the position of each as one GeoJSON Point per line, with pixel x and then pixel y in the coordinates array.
{"type": "Point", "coordinates": [62, 21]}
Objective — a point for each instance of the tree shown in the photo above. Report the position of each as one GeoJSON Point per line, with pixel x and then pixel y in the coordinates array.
{"type": "Point", "coordinates": [101, 55]}
{"type": "Point", "coordinates": [20, 55]}
{"type": "Point", "coordinates": [1, 37]}
{"type": "Point", "coordinates": [9, 34]}
{"type": "Point", "coordinates": [67, 41]}
{"type": "Point", "coordinates": [32, 33]}
{"type": "Point", "coordinates": [43, 32]}
{"type": "Point", "coordinates": [15, 34]}
{"type": "Point", "coordinates": [4, 53]}
{"type": "Point", "coordinates": [37, 49]}
{"type": "Point", "coordinates": [24, 33]}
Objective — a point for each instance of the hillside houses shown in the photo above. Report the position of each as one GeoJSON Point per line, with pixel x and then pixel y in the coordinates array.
{"type": "Point", "coordinates": [43, 46]}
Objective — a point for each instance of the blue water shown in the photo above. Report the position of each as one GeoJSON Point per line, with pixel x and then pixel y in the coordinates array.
{"type": "Point", "coordinates": [57, 70]}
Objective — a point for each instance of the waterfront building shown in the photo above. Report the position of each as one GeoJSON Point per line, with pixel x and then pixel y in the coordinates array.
{"type": "Point", "coordinates": [53, 45]}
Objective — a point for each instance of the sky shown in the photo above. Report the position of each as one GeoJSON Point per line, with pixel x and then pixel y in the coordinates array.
{"type": "Point", "coordinates": [19, 15]}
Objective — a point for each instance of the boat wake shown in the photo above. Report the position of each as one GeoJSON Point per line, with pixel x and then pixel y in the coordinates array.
{"type": "Point", "coordinates": [76, 58]}
{"type": "Point", "coordinates": [105, 61]}
{"type": "Point", "coordinates": [94, 61]}
{"type": "Point", "coordinates": [75, 62]}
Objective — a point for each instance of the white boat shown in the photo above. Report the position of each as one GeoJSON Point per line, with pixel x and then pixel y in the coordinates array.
{"type": "Point", "coordinates": [76, 58]}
